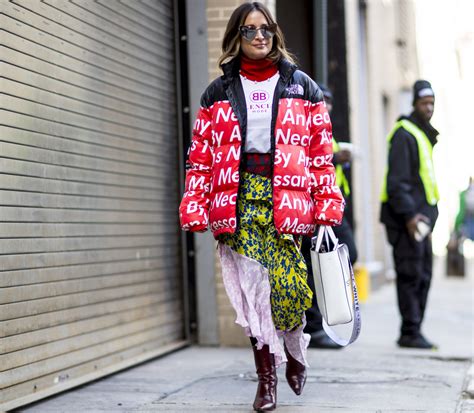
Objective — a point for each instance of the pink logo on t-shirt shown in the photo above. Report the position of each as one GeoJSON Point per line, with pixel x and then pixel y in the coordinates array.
{"type": "Point", "coordinates": [259, 96]}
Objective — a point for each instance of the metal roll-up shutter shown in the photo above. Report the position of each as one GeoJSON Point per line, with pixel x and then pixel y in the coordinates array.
{"type": "Point", "coordinates": [90, 256]}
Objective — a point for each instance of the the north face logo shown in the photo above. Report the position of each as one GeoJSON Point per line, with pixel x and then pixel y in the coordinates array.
{"type": "Point", "coordinates": [295, 90]}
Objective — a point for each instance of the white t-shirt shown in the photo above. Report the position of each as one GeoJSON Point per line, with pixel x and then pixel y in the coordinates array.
{"type": "Point", "coordinates": [259, 100]}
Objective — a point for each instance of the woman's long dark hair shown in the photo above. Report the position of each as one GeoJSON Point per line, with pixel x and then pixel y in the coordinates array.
{"type": "Point", "coordinates": [231, 41]}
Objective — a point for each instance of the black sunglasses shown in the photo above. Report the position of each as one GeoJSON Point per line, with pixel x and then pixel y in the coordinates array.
{"type": "Point", "coordinates": [250, 32]}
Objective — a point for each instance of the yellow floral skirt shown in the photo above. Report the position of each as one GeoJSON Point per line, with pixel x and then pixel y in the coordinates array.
{"type": "Point", "coordinates": [256, 238]}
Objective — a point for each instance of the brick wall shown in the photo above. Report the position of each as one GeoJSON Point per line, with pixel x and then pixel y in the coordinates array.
{"type": "Point", "coordinates": [218, 13]}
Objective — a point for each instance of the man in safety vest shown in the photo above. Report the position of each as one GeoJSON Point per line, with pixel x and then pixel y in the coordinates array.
{"type": "Point", "coordinates": [341, 160]}
{"type": "Point", "coordinates": [409, 211]}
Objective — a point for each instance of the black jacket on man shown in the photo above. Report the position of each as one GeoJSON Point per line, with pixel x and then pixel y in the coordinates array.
{"type": "Point", "coordinates": [406, 193]}
{"type": "Point", "coordinates": [406, 197]}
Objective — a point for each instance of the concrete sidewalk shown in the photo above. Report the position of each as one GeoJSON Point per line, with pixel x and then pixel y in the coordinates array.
{"type": "Point", "coordinates": [372, 375]}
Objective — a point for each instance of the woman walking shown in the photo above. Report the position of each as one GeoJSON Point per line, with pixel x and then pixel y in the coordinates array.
{"type": "Point", "coordinates": [259, 173]}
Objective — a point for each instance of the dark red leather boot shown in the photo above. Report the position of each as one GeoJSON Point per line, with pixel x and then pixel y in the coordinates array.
{"type": "Point", "coordinates": [265, 399]}
{"type": "Point", "coordinates": [295, 373]}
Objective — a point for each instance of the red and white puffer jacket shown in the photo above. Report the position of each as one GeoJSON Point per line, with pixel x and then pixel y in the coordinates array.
{"type": "Point", "coordinates": [304, 185]}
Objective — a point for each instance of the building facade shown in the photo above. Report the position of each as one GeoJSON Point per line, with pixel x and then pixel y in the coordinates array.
{"type": "Point", "coordinates": [382, 66]}
{"type": "Point", "coordinates": [91, 275]}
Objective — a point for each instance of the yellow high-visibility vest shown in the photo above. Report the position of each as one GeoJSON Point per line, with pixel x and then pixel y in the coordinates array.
{"type": "Point", "coordinates": [341, 180]}
{"type": "Point", "coordinates": [426, 171]}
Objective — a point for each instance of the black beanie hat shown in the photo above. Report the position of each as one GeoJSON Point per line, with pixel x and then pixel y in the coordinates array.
{"type": "Point", "coordinates": [421, 89]}
{"type": "Point", "coordinates": [326, 92]}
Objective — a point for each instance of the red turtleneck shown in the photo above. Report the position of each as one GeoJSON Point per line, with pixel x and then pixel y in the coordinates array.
{"type": "Point", "coordinates": [257, 70]}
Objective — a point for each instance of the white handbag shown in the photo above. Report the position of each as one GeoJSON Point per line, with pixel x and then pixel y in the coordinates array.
{"type": "Point", "coordinates": [336, 291]}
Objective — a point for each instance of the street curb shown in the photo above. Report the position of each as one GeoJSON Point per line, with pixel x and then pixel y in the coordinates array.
{"type": "Point", "coordinates": [466, 401]}
{"type": "Point", "coordinates": [469, 389]}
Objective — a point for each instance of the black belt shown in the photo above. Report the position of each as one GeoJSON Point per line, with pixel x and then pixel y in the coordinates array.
{"type": "Point", "coordinates": [258, 164]}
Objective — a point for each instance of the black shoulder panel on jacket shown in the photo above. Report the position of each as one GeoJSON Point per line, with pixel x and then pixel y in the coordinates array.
{"type": "Point", "coordinates": [302, 86]}
{"type": "Point", "coordinates": [315, 94]}
{"type": "Point", "coordinates": [318, 95]}
{"type": "Point", "coordinates": [213, 93]}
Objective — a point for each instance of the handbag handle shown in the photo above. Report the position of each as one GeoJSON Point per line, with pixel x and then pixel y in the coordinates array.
{"type": "Point", "coordinates": [323, 232]}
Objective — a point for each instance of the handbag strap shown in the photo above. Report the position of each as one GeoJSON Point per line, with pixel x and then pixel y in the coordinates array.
{"type": "Point", "coordinates": [323, 232]}
{"type": "Point", "coordinates": [356, 323]}
{"type": "Point", "coordinates": [332, 235]}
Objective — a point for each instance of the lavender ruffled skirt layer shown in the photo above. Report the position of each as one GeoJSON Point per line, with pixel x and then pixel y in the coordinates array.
{"type": "Point", "coordinates": [248, 288]}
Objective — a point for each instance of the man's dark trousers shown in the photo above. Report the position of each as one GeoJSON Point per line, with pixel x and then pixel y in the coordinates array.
{"type": "Point", "coordinates": [413, 265]}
